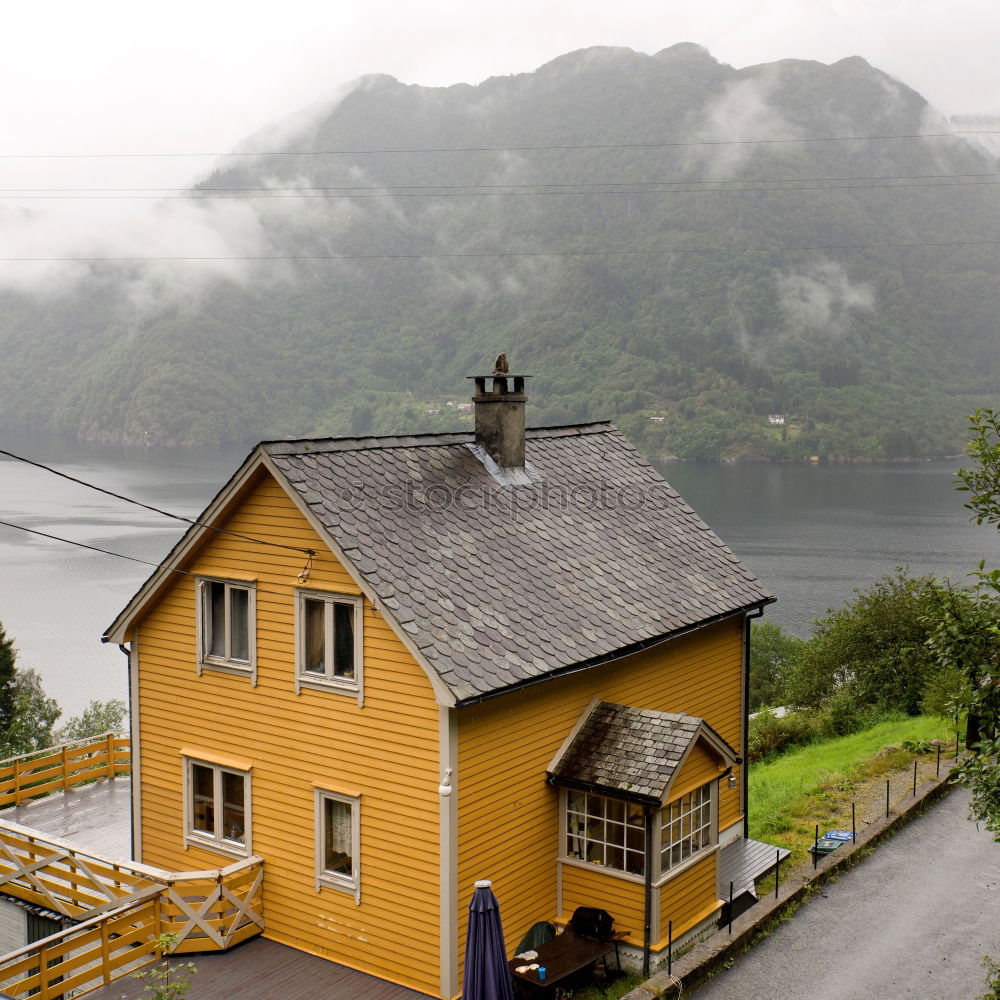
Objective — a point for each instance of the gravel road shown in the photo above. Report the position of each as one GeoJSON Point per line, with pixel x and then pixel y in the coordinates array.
{"type": "Point", "coordinates": [910, 921]}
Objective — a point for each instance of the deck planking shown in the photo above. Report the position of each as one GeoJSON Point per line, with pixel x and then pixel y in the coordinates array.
{"type": "Point", "coordinates": [93, 819]}
{"type": "Point", "coordinates": [262, 970]}
{"type": "Point", "coordinates": [743, 861]}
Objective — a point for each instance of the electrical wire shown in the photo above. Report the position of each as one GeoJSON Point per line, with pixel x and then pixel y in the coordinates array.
{"type": "Point", "coordinates": [92, 548]}
{"type": "Point", "coordinates": [293, 194]}
{"type": "Point", "coordinates": [509, 253]}
{"type": "Point", "coordinates": [540, 184]}
{"type": "Point", "coordinates": [155, 510]}
{"type": "Point", "coordinates": [502, 149]}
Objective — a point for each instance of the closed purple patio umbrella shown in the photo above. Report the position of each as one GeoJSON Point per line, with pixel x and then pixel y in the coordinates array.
{"type": "Point", "coordinates": [486, 974]}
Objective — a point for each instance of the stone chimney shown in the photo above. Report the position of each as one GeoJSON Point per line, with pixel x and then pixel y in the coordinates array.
{"type": "Point", "coordinates": [499, 406]}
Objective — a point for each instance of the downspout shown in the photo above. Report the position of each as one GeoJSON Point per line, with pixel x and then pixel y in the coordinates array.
{"type": "Point", "coordinates": [131, 798]}
{"type": "Point", "coordinates": [745, 749]}
{"type": "Point", "coordinates": [647, 918]}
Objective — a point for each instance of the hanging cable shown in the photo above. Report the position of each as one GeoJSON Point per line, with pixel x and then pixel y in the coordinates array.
{"type": "Point", "coordinates": [155, 510]}
{"type": "Point", "coordinates": [955, 133]}
{"type": "Point", "coordinates": [91, 548]}
{"type": "Point", "coordinates": [456, 255]}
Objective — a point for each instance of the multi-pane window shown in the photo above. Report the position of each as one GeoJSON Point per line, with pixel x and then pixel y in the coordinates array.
{"type": "Point", "coordinates": [686, 827]}
{"type": "Point", "coordinates": [329, 640]}
{"type": "Point", "coordinates": [218, 805]}
{"type": "Point", "coordinates": [227, 624]}
{"type": "Point", "coordinates": [337, 836]}
{"type": "Point", "coordinates": [605, 831]}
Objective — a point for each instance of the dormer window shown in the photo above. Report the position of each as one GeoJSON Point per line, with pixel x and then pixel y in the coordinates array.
{"type": "Point", "coordinates": [227, 620]}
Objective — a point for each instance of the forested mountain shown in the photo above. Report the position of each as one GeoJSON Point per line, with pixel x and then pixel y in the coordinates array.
{"type": "Point", "coordinates": [663, 300]}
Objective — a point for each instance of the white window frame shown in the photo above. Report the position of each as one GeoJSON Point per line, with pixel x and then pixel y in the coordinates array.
{"type": "Point", "coordinates": [226, 663]}
{"type": "Point", "coordinates": [216, 841]}
{"type": "Point", "coordinates": [687, 807]}
{"type": "Point", "coordinates": [353, 686]}
{"type": "Point", "coordinates": [580, 861]}
{"type": "Point", "coordinates": [335, 880]}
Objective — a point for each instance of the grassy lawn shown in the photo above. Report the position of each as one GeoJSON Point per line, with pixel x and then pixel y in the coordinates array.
{"type": "Point", "coordinates": [817, 783]}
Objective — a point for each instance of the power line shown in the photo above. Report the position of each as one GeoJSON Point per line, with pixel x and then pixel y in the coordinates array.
{"type": "Point", "coordinates": [504, 187]}
{"type": "Point", "coordinates": [281, 194]}
{"type": "Point", "coordinates": [155, 510]}
{"type": "Point", "coordinates": [505, 253]}
{"type": "Point", "coordinates": [499, 149]}
{"type": "Point", "coordinates": [92, 548]}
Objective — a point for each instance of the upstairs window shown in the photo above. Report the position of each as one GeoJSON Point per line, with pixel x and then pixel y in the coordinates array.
{"type": "Point", "coordinates": [329, 641]}
{"type": "Point", "coordinates": [227, 616]}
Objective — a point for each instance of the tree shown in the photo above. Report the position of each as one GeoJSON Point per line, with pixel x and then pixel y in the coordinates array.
{"type": "Point", "coordinates": [97, 718]}
{"type": "Point", "coordinates": [874, 649]}
{"type": "Point", "coordinates": [773, 655]}
{"type": "Point", "coordinates": [8, 670]}
{"type": "Point", "coordinates": [969, 635]}
{"type": "Point", "coordinates": [27, 713]}
{"type": "Point", "coordinates": [35, 713]}
{"type": "Point", "coordinates": [982, 481]}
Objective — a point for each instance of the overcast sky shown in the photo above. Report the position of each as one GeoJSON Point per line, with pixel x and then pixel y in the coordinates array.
{"type": "Point", "coordinates": [185, 76]}
{"type": "Point", "coordinates": [117, 75]}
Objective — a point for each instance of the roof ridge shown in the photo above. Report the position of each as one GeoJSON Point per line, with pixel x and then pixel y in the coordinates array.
{"type": "Point", "coordinates": [435, 439]}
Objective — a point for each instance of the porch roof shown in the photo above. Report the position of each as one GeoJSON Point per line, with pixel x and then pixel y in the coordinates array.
{"type": "Point", "coordinates": [634, 753]}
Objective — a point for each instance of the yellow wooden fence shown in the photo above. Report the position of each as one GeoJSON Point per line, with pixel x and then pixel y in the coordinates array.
{"type": "Point", "coordinates": [58, 769]}
{"type": "Point", "coordinates": [88, 955]}
{"type": "Point", "coordinates": [124, 906]}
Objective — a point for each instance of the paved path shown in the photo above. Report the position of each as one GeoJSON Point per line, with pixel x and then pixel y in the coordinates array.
{"type": "Point", "coordinates": [910, 921]}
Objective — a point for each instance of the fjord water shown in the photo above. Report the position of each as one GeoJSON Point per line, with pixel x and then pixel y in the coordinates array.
{"type": "Point", "coordinates": [812, 533]}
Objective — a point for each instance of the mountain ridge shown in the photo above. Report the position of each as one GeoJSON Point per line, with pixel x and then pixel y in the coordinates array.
{"type": "Point", "coordinates": [656, 307]}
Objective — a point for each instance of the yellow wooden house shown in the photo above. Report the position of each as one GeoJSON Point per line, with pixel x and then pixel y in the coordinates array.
{"type": "Point", "coordinates": [392, 666]}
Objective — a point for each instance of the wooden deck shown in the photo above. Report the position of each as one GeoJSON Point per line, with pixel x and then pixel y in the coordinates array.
{"type": "Point", "coordinates": [96, 818]}
{"type": "Point", "coordinates": [263, 970]}
{"type": "Point", "coordinates": [743, 861]}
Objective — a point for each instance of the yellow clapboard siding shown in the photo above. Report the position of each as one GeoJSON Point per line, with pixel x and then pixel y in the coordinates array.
{"type": "Point", "coordinates": [685, 897]}
{"type": "Point", "coordinates": [701, 766]}
{"type": "Point", "coordinates": [508, 814]}
{"type": "Point", "coordinates": [388, 750]}
{"type": "Point", "coordinates": [622, 898]}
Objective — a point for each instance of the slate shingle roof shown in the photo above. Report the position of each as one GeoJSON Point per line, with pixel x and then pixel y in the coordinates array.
{"type": "Point", "coordinates": [635, 751]}
{"type": "Point", "coordinates": [499, 585]}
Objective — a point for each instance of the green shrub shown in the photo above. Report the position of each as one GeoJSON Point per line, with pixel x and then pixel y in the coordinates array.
{"type": "Point", "coordinates": [770, 736]}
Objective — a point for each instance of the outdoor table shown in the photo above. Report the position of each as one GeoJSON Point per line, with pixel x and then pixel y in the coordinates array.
{"type": "Point", "coordinates": [561, 957]}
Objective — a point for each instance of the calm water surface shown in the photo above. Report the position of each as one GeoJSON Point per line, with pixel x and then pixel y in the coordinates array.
{"type": "Point", "coordinates": [812, 533]}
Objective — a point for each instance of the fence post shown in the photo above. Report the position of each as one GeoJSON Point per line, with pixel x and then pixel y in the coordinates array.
{"type": "Point", "coordinates": [157, 918]}
{"type": "Point", "coordinates": [670, 947]}
{"type": "Point", "coordinates": [914, 777]}
{"type": "Point", "coordinates": [816, 848]}
{"type": "Point", "coordinates": [105, 953]}
{"type": "Point", "coordinates": [65, 768]}
{"type": "Point", "coordinates": [17, 782]}
{"type": "Point", "coordinates": [854, 825]}
{"type": "Point", "coordinates": [43, 966]}
{"type": "Point", "coordinates": [111, 755]}
{"type": "Point", "coordinates": [886, 798]}
{"type": "Point", "coordinates": [937, 772]}
{"type": "Point", "coordinates": [777, 869]}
